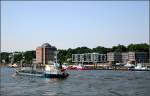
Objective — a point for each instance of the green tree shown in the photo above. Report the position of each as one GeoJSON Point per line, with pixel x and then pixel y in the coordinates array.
{"type": "Point", "coordinates": [83, 49]}
{"type": "Point", "coordinates": [5, 57]}
{"type": "Point", "coordinates": [119, 48]}
{"type": "Point", "coordinates": [62, 56]}
{"type": "Point", "coordinates": [18, 56]}
{"type": "Point", "coordinates": [100, 49]}
{"type": "Point", "coordinates": [29, 56]}
{"type": "Point", "coordinates": [143, 47]}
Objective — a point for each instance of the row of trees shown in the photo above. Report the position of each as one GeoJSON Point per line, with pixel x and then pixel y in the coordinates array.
{"type": "Point", "coordinates": [16, 57]}
{"type": "Point", "coordinates": [65, 55]}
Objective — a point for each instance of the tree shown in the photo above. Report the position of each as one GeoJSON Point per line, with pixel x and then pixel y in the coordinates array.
{"type": "Point", "coordinates": [62, 56]}
{"type": "Point", "coordinates": [5, 57]}
{"type": "Point", "coordinates": [18, 56]}
{"type": "Point", "coordinates": [100, 49]}
{"type": "Point", "coordinates": [29, 56]}
{"type": "Point", "coordinates": [143, 47]}
{"type": "Point", "coordinates": [83, 49]}
{"type": "Point", "coordinates": [65, 55]}
{"type": "Point", "coordinates": [119, 48]}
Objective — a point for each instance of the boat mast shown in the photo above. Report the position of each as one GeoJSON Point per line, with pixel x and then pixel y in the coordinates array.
{"type": "Point", "coordinates": [56, 56]}
{"type": "Point", "coordinates": [12, 58]}
{"type": "Point", "coordinates": [21, 61]}
{"type": "Point", "coordinates": [82, 58]}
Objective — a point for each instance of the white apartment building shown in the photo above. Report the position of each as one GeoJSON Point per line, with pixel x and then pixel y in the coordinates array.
{"type": "Point", "coordinates": [89, 58]}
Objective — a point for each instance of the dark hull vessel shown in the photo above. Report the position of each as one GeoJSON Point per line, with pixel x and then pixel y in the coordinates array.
{"type": "Point", "coordinates": [47, 73]}
{"type": "Point", "coordinates": [56, 75]}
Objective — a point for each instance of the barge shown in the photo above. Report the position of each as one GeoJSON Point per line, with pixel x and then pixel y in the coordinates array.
{"type": "Point", "coordinates": [50, 71]}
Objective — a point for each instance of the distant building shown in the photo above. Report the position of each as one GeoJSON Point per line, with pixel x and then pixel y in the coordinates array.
{"type": "Point", "coordinates": [114, 57]}
{"type": "Point", "coordinates": [45, 53]}
{"type": "Point", "coordinates": [133, 57]}
{"type": "Point", "coordinates": [89, 58]}
{"type": "Point", "coordinates": [124, 57]}
{"type": "Point", "coordinates": [138, 57]}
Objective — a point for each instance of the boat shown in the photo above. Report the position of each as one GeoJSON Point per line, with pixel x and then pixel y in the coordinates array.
{"type": "Point", "coordinates": [12, 65]}
{"type": "Point", "coordinates": [139, 67]}
{"type": "Point", "coordinates": [28, 71]}
{"type": "Point", "coordinates": [50, 71]}
{"type": "Point", "coordinates": [82, 67]}
{"type": "Point", "coordinates": [64, 66]}
{"type": "Point", "coordinates": [77, 67]}
{"type": "Point", "coordinates": [129, 66]}
{"type": "Point", "coordinates": [72, 67]}
{"type": "Point", "coordinates": [55, 71]}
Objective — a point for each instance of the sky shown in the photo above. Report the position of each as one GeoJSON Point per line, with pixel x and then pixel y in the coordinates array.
{"type": "Point", "coordinates": [70, 24]}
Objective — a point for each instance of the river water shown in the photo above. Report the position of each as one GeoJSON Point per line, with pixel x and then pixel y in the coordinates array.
{"type": "Point", "coordinates": [79, 83]}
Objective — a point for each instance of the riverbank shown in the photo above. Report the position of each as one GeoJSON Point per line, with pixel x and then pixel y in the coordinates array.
{"type": "Point", "coordinates": [102, 66]}
{"type": "Point", "coordinates": [3, 65]}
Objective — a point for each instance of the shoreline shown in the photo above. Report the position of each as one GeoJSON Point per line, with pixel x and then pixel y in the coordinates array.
{"type": "Point", "coordinates": [3, 65]}
{"type": "Point", "coordinates": [93, 67]}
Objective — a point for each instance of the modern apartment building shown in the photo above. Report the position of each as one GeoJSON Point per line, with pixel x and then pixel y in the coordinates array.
{"type": "Point", "coordinates": [124, 57]}
{"type": "Point", "coordinates": [114, 57]}
{"type": "Point", "coordinates": [89, 58]}
{"type": "Point", "coordinates": [133, 57]}
{"type": "Point", "coordinates": [138, 57]}
{"type": "Point", "coordinates": [45, 53]}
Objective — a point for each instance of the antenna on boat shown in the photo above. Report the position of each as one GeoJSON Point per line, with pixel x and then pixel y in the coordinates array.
{"type": "Point", "coordinates": [56, 52]}
{"type": "Point", "coordinates": [34, 64]}
{"type": "Point", "coordinates": [11, 57]}
{"type": "Point", "coordinates": [56, 56]}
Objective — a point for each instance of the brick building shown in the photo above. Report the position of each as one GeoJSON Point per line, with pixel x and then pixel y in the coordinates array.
{"type": "Point", "coordinates": [45, 53]}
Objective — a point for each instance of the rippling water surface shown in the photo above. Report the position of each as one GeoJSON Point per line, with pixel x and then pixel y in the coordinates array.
{"type": "Point", "coordinates": [79, 83]}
